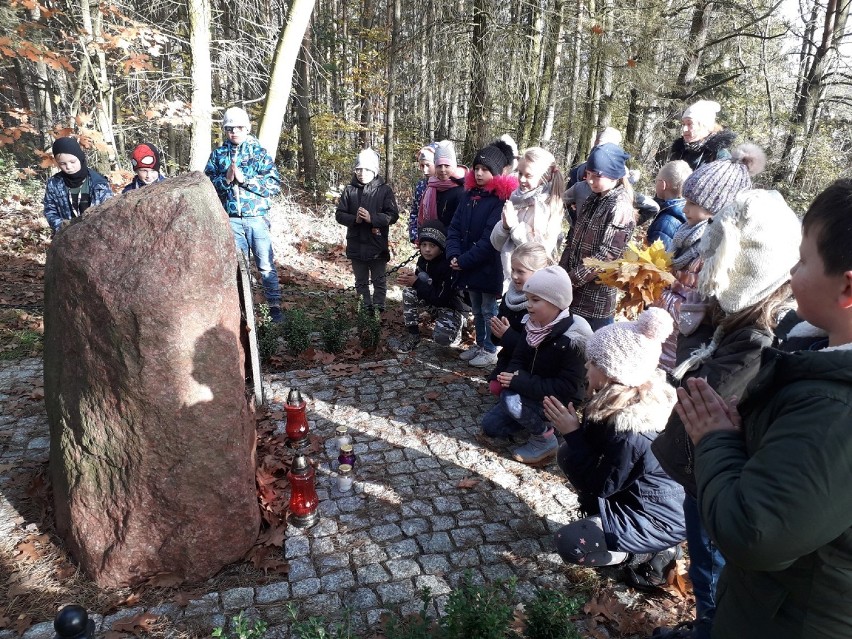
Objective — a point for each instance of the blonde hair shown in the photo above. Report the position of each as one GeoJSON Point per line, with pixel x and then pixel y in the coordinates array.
{"type": "Point", "coordinates": [614, 398]}
{"type": "Point", "coordinates": [552, 176]}
{"type": "Point", "coordinates": [674, 174]}
{"type": "Point", "coordinates": [532, 256]}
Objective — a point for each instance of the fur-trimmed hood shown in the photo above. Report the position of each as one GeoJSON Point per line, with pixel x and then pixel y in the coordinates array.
{"type": "Point", "coordinates": [500, 185]}
{"type": "Point", "coordinates": [649, 415]}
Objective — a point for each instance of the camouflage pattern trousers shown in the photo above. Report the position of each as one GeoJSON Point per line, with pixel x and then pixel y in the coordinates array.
{"type": "Point", "coordinates": [448, 322]}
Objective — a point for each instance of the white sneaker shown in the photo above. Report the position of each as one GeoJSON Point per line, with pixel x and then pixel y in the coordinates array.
{"type": "Point", "coordinates": [484, 359]}
{"type": "Point", "coordinates": [470, 353]}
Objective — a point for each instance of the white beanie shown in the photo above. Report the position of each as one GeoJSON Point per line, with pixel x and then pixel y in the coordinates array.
{"type": "Point", "coordinates": [235, 116]}
{"type": "Point", "coordinates": [749, 249]}
{"type": "Point", "coordinates": [368, 159]}
{"type": "Point", "coordinates": [703, 111]}
{"type": "Point", "coordinates": [609, 135]}
{"type": "Point", "coordinates": [553, 285]}
{"type": "Point", "coordinates": [628, 352]}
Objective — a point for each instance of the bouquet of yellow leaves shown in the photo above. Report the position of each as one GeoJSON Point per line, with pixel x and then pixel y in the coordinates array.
{"type": "Point", "coordinates": [642, 275]}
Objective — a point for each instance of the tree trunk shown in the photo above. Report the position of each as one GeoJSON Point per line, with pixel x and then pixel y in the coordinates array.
{"type": "Point", "coordinates": [281, 78]}
{"type": "Point", "coordinates": [477, 112]}
{"type": "Point", "coordinates": [390, 114]}
{"type": "Point", "coordinates": [551, 79]}
{"type": "Point", "coordinates": [303, 114]}
{"type": "Point", "coordinates": [701, 17]}
{"type": "Point", "coordinates": [202, 86]}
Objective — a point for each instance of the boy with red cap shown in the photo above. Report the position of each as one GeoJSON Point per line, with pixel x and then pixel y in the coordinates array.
{"type": "Point", "coordinates": [145, 161]}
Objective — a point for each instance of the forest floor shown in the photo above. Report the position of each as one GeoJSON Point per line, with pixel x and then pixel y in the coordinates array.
{"type": "Point", "coordinates": [37, 575]}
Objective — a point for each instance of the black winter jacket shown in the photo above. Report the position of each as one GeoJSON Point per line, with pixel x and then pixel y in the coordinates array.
{"type": "Point", "coordinates": [436, 284]}
{"type": "Point", "coordinates": [509, 339]}
{"type": "Point", "coordinates": [713, 147]}
{"type": "Point", "coordinates": [610, 465]}
{"type": "Point", "coordinates": [555, 367]}
{"type": "Point", "coordinates": [367, 241]}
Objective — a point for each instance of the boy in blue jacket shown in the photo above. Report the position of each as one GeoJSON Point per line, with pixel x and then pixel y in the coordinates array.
{"type": "Point", "coordinates": [669, 195]}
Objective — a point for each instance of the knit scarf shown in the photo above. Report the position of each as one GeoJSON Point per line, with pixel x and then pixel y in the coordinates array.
{"type": "Point", "coordinates": [537, 334]}
{"type": "Point", "coordinates": [523, 200]}
{"type": "Point", "coordinates": [515, 300]}
{"type": "Point", "coordinates": [685, 244]}
{"type": "Point", "coordinates": [429, 203]}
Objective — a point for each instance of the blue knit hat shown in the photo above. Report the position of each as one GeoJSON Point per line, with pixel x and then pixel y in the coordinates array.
{"type": "Point", "coordinates": [608, 160]}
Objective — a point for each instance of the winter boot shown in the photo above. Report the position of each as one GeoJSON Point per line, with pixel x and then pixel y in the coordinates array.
{"type": "Point", "coordinates": [406, 344]}
{"type": "Point", "coordinates": [276, 315]}
{"type": "Point", "coordinates": [538, 448]}
{"type": "Point", "coordinates": [649, 573]}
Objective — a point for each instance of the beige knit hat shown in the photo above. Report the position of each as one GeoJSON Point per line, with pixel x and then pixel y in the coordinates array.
{"type": "Point", "coordinates": [628, 352]}
{"type": "Point", "coordinates": [551, 284]}
{"type": "Point", "coordinates": [749, 249]}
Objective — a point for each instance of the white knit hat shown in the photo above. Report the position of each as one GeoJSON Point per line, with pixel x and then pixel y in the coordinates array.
{"type": "Point", "coordinates": [703, 111]}
{"type": "Point", "coordinates": [235, 116]}
{"type": "Point", "coordinates": [628, 352]}
{"type": "Point", "coordinates": [368, 159]}
{"type": "Point", "coordinates": [749, 249]}
{"type": "Point", "coordinates": [553, 285]}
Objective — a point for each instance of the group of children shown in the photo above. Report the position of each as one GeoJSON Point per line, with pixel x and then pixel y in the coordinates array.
{"type": "Point", "coordinates": [641, 415]}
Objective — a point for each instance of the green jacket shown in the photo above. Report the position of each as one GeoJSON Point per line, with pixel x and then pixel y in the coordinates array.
{"type": "Point", "coordinates": [778, 501]}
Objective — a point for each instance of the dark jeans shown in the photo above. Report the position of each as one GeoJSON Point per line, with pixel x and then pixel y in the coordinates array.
{"type": "Point", "coordinates": [372, 271]}
{"type": "Point", "coordinates": [705, 566]}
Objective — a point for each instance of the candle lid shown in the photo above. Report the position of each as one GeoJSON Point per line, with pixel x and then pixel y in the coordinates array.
{"type": "Point", "coordinates": [294, 398]}
{"type": "Point", "coordinates": [345, 468]}
{"type": "Point", "coordinates": [300, 464]}
{"type": "Point", "coordinates": [342, 430]}
{"type": "Point", "coordinates": [346, 448]}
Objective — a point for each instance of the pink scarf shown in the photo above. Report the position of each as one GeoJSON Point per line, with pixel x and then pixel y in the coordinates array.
{"type": "Point", "coordinates": [429, 202]}
{"type": "Point", "coordinates": [537, 334]}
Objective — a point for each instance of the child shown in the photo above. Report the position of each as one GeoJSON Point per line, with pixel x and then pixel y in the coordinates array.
{"type": "Point", "coordinates": [632, 509]}
{"type": "Point", "coordinates": [601, 231]}
{"type": "Point", "coordinates": [547, 361]}
{"type": "Point", "coordinates": [706, 191]}
{"type": "Point", "coordinates": [75, 188]}
{"type": "Point", "coordinates": [246, 179]}
{"type": "Point", "coordinates": [432, 285]}
{"type": "Point", "coordinates": [748, 251]}
{"type": "Point", "coordinates": [426, 163]}
{"type": "Point", "coordinates": [367, 208]}
{"type": "Point", "coordinates": [469, 246]}
{"type": "Point", "coordinates": [506, 329]}
{"type": "Point", "coordinates": [534, 212]}
{"type": "Point", "coordinates": [669, 193]}
{"type": "Point", "coordinates": [773, 472]}
{"type": "Point", "coordinates": [444, 189]}
{"type": "Point", "coordinates": [145, 160]}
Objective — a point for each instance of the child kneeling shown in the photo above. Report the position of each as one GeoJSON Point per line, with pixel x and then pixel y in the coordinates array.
{"type": "Point", "coordinates": [633, 510]}
{"type": "Point", "coordinates": [431, 286]}
{"type": "Point", "coordinates": [548, 360]}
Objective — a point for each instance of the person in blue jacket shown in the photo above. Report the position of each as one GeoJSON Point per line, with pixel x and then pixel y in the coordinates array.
{"type": "Point", "coordinates": [75, 189]}
{"type": "Point", "coordinates": [669, 195]}
{"type": "Point", "coordinates": [469, 247]}
{"type": "Point", "coordinates": [246, 179]}
{"type": "Point", "coordinates": [145, 160]}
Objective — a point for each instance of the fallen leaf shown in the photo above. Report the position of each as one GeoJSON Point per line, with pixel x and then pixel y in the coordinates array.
{"type": "Point", "coordinates": [22, 623]}
{"type": "Point", "coordinates": [165, 580]}
{"type": "Point", "coordinates": [29, 550]}
{"type": "Point", "coordinates": [136, 624]}
{"type": "Point", "coordinates": [112, 634]}
{"type": "Point", "coordinates": [468, 482]}
{"type": "Point", "coordinates": [432, 395]}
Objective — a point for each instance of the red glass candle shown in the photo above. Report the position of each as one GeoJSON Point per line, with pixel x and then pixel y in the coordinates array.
{"type": "Point", "coordinates": [297, 420]}
{"type": "Point", "coordinates": [303, 493]}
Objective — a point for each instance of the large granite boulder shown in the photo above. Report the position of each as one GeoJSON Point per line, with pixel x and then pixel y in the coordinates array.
{"type": "Point", "coordinates": [152, 439]}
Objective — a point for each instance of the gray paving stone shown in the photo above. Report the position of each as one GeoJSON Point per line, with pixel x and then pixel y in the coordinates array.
{"type": "Point", "coordinates": [404, 548]}
{"type": "Point", "coordinates": [385, 532]}
{"type": "Point", "coordinates": [467, 537]}
{"type": "Point", "coordinates": [436, 542]}
{"type": "Point", "coordinates": [436, 585]}
{"type": "Point", "coordinates": [434, 564]}
{"type": "Point", "coordinates": [296, 547]}
{"type": "Point", "coordinates": [372, 574]}
{"type": "Point", "coordinates": [300, 569]}
{"type": "Point", "coordinates": [329, 563]}
{"type": "Point", "coordinates": [42, 630]}
{"type": "Point", "coordinates": [396, 593]}
{"type": "Point", "coordinates": [272, 593]}
{"type": "Point", "coordinates": [325, 605]}
{"type": "Point", "coordinates": [322, 546]}
{"type": "Point", "coordinates": [497, 532]}
{"type": "Point", "coordinates": [401, 568]}
{"type": "Point", "coordinates": [326, 526]}
{"type": "Point", "coordinates": [370, 553]}
{"type": "Point", "coordinates": [337, 581]}
{"type": "Point", "coordinates": [305, 588]}
{"type": "Point", "coordinates": [413, 527]}
{"type": "Point", "coordinates": [443, 523]}
{"type": "Point", "coordinates": [237, 598]}
{"type": "Point", "coordinates": [205, 605]}
{"type": "Point", "coordinates": [496, 572]}
{"type": "Point", "coordinates": [361, 599]}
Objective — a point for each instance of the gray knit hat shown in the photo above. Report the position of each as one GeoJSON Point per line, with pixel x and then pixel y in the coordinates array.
{"type": "Point", "coordinates": [628, 352]}
{"type": "Point", "coordinates": [553, 285]}
{"type": "Point", "coordinates": [715, 185]}
{"type": "Point", "coordinates": [445, 153]}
